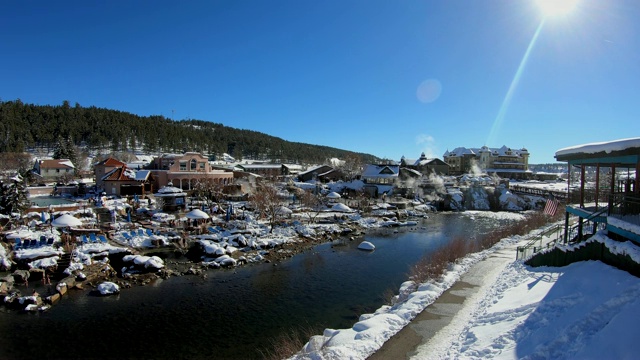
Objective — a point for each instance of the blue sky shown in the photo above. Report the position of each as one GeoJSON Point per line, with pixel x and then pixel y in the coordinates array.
{"type": "Point", "coordinates": [389, 78]}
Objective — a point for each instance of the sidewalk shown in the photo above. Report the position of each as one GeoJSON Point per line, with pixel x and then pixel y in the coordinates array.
{"type": "Point", "coordinates": [445, 317]}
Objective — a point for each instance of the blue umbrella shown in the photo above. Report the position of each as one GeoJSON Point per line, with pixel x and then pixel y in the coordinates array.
{"type": "Point", "coordinates": [135, 198]}
{"type": "Point", "coordinates": [42, 218]}
{"type": "Point", "coordinates": [228, 213]}
{"type": "Point", "coordinates": [128, 216]}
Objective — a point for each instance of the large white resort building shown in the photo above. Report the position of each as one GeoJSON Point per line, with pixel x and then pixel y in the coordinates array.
{"type": "Point", "coordinates": [504, 162]}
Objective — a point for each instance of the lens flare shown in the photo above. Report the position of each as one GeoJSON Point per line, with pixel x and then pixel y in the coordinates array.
{"type": "Point", "coordinates": [429, 91]}
{"type": "Point", "coordinates": [556, 7]}
{"type": "Point", "coordinates": [497, 123]}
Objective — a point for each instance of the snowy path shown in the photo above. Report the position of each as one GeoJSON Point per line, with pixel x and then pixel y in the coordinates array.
{"type": "Point", "coordinates": [587, 310]}
{"type": "Point", "coordinates": [445, 318]}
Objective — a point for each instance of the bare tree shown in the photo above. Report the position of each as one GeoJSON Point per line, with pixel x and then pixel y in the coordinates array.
{"type": "Point", "coordinates": [10, 162]}
{"type": "Point", "coordinates": [268, 203]}
{"type": "Point", "coordinates": [160, 202]}
{"type": "Point", "coordinates": [208, 189]}
{"type": "Point", "coordinates": [352, 166]}
{"type": "Point", "coordinates": [313, 204]}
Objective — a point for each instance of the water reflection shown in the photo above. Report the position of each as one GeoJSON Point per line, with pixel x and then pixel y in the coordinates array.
{"type": "Point", "coordinates": [232, 313]}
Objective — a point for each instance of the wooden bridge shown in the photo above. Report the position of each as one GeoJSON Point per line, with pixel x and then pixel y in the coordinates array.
{"type": "Point", "coordinates": [558, 195]}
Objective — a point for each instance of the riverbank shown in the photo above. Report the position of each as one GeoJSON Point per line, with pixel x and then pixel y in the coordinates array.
{"type": "Point", "coordinates": [162, 253]}
{"type": "Point", "coordinates": [430, 278]}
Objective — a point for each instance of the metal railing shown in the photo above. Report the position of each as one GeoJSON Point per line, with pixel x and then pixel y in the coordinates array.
{"type": "Point", "coordinates": [535, 243]}
{"type": "Point", "coordinates": [625, 204]}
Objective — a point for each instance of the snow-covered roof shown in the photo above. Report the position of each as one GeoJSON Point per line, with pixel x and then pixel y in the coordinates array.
{"type": "Point", "coordinates": [259, 166]}
{"type": "Point", "coordinates": [293, 166]}
{"type": "Point", "coordinates": [412, 171]}
{"type": "Point", "coordinates": [607, 147]}
{"type": "Point", "coordinates": [314, 169]}
{"type": "Point", "coordinates": [56, 164]}
{"type": "Point", "coordinates": [168, 191]}
{"type": "Point", "coordinates": [126, 174]}
{"type": "Point", "coordinates": [381, 171]}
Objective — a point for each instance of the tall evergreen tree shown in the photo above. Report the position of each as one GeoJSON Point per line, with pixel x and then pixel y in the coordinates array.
{"type": "Point", "coordinates": [72, 153]}
{"type": "Point", "coordinates": [66, 149]}
{"type": "Point", "coordinates": [13, 196]}
{"type": "Point", "coordinates": [60, 150]}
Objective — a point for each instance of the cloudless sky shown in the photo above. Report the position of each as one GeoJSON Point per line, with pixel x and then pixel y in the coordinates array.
{"type": "Point", "coordinates": [388, 78]}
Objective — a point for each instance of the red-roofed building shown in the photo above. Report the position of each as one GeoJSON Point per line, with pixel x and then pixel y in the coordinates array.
{"type": "Point", "coordinates": [53, 170]}
{"type": "Point", "coordinates": [124, 181]}
{"type": "Point", "coordinates": [103, 167]}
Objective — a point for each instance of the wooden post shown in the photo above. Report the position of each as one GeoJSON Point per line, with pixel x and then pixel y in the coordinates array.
{"type": "Point", "coordinates": [580, 221]}
{"type": "Point", "coordinates": [597, 183]}
{"type": "Point", "coordinates": [582, 186]}
{"type": "Point", "coordinates": [566, 227]}
{"type": "Point", "coordinates": [612, 189]}
{"type": "Point", "coordinates": [636, 190]}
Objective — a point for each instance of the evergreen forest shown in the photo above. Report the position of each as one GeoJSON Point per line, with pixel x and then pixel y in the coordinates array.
{"type": "Point", "coordinates": [29, 127]}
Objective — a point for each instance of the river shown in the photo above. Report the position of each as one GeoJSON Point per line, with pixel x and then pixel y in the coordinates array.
{"type": "Point", "coordinates": [234, 313]}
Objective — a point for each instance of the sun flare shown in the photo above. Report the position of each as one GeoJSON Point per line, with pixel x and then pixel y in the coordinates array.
{"type": "Point", "coordinates": [556, 7]}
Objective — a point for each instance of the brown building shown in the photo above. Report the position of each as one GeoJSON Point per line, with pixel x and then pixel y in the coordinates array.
{"type": "Point", "coordinates": [123, 181]}
{"type": "Point", "coordinates": [103, 167]}
{"type": "Point", "coordinates": [184, 171]}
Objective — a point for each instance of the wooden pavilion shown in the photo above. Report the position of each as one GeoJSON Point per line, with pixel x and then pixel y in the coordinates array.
{"type": "Point", "coordinates": [606, 195]}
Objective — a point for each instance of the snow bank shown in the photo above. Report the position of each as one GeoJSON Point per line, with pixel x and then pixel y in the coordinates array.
{"type": "Point", "coordinates": [108, 288]}
{"type": "Point", "coordinates": [147, 262]}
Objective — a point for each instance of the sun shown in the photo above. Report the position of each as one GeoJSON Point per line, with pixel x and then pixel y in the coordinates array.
{"type": "Point", "coordinates": [556, 7]}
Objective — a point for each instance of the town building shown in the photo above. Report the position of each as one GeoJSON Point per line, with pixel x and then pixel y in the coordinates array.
{"type": "Point", "coordinates": [315, 173]}
{"type": "Point", "coordinates": [53, 170]}
{"type": "Point", "coordinates": [269, 171]}
{"type": "Point", "coordinates": [426, 166]}
{"type": "Point", "coordinates": [103, 167]}
{"type": "Point", "coordinates": [504, 162]}
{"type": "Point", "coordinates": [611, 200]}
{"type": "Point", "coordinates": [185, 170]}
{"type": "Point", "coordinates": [123, 181]}
{"type": "Point", "coordinates": [380, 178]}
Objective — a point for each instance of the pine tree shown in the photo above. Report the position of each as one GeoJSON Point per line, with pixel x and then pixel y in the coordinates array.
{"type": "Point", "coordinates": [60, 151]}
{"type": "Point", "coordinates": [66, 149]}
{"type": "Point", "coordinates": [13, 196]}
{"type": "Point", "coordinates": [72, 153]}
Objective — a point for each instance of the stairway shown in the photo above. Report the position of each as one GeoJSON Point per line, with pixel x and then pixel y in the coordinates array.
{"type": "Point", "coordinates": [63, 264]}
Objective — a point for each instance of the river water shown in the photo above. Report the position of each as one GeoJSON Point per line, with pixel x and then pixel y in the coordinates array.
{"type": "Point", "coordinates": [233, 313]}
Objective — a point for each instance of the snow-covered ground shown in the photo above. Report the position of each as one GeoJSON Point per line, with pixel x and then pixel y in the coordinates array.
{"type": "Point", "coordinates": [587, 310]}
{"type": "Point", "coordinates": [584, 310]}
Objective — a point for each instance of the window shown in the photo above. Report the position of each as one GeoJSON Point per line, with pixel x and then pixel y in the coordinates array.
{"type": "Point", "coordinates": [201, 166]}
{"type": "Point", "coordinates": [193, 164]}
{"type": "Point", "coordinates": [183, 166]}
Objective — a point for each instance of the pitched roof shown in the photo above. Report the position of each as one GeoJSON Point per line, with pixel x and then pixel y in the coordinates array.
{"type": "Point", "coordinates": [381, 171]}
{"type": "Point", "coordinates": [111, 162]}
{"type": "Point", "coordinates": [125, 174]}
{"type": "Point", "coordinates": [56, 164]}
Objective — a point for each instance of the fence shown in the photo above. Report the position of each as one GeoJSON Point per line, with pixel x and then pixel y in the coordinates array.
{"type": "Point", "coordinates": [536, 244]}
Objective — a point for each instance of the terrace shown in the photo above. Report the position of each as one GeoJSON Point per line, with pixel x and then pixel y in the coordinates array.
{"type": "Point", "coordinates": [603, 191]}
